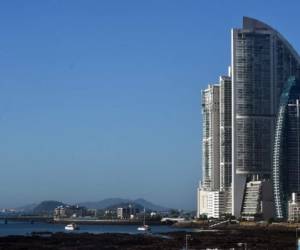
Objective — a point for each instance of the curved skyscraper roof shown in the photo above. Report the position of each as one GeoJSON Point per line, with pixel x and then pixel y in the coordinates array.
{"type": "Point", "coordinates": [254, 24]}
{"type": "Point", "coordinates": [262, 62]}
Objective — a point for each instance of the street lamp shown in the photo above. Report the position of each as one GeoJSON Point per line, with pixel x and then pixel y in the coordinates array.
{"type": "Point", "coordinates": [297, 241]}
{"type": "Point", "coordinates": [187, 236]}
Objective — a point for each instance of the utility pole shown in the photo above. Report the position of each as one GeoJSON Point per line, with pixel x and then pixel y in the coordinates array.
{"type": "Point", "coordinates": [187, 236]}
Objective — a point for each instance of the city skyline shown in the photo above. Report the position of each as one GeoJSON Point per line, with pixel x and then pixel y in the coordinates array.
{"type": "Point", "coordinates": [99, 99]}
{"type": "Point", "coordinates": [260, 102]}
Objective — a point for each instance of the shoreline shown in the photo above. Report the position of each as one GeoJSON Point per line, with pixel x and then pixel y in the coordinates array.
{"type": "Point", "coordinates": [107, 222]}
{"type": "Point", "coordinates": [243, 238]}
{"type": "Point", "coordinates": [82, 221]}
{"type": "Point", "coordinates": [283, 226]}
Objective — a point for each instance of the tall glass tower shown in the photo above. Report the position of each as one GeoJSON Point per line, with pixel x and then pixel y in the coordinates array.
{"type": "Point", "coordinates": [251, 127]}
{"type": "Point", "coordinates": [262, 62]}
{"type": "Point", "coordinates": [225, 140]}
{"type": "Point", "coordinates": [286, 154]}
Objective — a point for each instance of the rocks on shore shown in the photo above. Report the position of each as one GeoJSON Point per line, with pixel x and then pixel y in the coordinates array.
{"type": "Point", "coordinates": [254, 238]}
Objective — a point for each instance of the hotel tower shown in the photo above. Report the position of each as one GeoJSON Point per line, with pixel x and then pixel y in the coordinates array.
{"type": "Point", "coordinates": [258, 127]}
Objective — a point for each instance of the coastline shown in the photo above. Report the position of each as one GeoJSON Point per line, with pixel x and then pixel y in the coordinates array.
{"type": "Point", "coordinates": [243, 238]}
{"type": "Point", "coordinates": [106, 222]}
{"type": "Point", "coordinates": [85, 221]}
{"type": "Point", "coordinates": [283, 226]}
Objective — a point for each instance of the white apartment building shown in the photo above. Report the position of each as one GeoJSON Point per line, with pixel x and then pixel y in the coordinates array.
{"type": "Point", "coordinates": [210, 203]}
{"type": "Point", "coordinates": [211, 138]}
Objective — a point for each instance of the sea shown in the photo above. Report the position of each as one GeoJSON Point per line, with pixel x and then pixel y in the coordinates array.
{"type": "Point", "coordinates": [27, 228]}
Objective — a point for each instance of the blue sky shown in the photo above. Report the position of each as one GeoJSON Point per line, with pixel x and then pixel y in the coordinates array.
{"type": "Point", "coordinates": [102, 98]}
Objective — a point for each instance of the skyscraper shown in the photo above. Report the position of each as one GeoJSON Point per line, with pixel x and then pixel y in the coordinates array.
{"type": "Point", "coordinates": [225, 140]}
{"type": "Point", "coordinates": [211, 137]}
{"type": "Point", "coordinates": [210, 199]}
{"type": "Point", "coordinates": [214, 193]}
{"type": "Point", "coordinates": [259, 126]}
{"type": "Point", "coordinates": [286, 154]}
{"type": "Point", "coordinates": [262, 61]}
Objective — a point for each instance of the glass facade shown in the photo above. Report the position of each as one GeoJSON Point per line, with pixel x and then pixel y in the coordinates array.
{"type": "Point", "coordinates": [253, 101]}
{"type": "Point", "coordinates": [251, 124]}
{"type": "Point", "coordinates": [286, 171]}
{"type": "Point", "coordinates": [225, 133]}
{"type": "Point", "coordinates": [262, 62]}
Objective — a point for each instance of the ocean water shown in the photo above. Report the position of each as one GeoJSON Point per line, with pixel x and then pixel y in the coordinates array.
{"type": "Point", "coordinates": [26, 228]}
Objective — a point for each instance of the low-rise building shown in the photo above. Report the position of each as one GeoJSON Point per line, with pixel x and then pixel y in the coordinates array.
{"type": "Point", "coordinates": [123, 213]}
{"type": "Point", "coordinates": [202, 197]}
{"type": "Point", "coordinates": [210, 203]}
{"type": "Point", "coordinates": [129, 212]}
{"type": "Point", "coordinates": [294, 208]}
{"type": "Point", "coordinates": [69, 211]}
{"type": "Point", "coordinates": [258, 201]}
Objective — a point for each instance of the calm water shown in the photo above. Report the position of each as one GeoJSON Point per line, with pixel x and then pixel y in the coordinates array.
{"type": "Point", "coordinates": [25, 228]}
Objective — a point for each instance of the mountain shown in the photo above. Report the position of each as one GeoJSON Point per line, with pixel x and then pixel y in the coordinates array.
{"type": "Point", "coordinates": [150, 206]}
{"type": "Point", "coordinates": [104, 203]}
{"type": "Point", "coordinates": [26, 208]}
{"type": "Point", "coordinates": [118, 202]}
{"type": "Point", "coordinates": [46, 207]}
{"type": "Point", "coordinates": [126, 205]}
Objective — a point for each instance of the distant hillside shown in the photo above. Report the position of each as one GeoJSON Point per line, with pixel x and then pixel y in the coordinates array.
{"type": "Point", "coordinates": [46, 207]}
{"type": "Point", "coordinates": [104, 203]}
{"type": "Point", "coordinates": [126, 205]}
{"type": "Point", "coordinates": [113, 202]}
{"type": "Point", "coordinates": [150, 206]}
{"type": "Point", "coordinates": [26, 208]}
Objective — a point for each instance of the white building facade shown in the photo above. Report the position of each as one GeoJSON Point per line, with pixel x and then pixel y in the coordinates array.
{"type": "Point", "coordinates": [211, 138]}
{"type": "Point", "coordinates": [210, 203]}
{"type": "Point", "coordinates": [210, 200]}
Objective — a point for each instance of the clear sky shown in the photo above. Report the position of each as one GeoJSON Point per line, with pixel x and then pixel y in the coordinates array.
{"type": "Point", "coordinates": [102, 98]}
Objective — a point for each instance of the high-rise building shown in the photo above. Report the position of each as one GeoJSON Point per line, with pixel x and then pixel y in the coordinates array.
{"type": "Point", "coordinates": [210, 199]}
{"type": "Point", "coordinates": [211, 138]}
{"type": "Point", "coordinates": [286, 154]}
{"type": "Point", "coordinates": [262, 61]}
{"type": "Point", "coordinates": [225, 132]}
{"type": "Point", "coordinates": [225, 140]}
{"type": "Point", "coordinates": [251, 127]}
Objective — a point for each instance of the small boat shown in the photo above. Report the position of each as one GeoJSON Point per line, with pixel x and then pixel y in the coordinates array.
{"type": "Point", "coordinates": [144, 227]}
{"type": "Point", "coordinates": [71, 227]}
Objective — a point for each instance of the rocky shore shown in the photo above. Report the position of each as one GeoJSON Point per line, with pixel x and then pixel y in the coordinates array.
{"type": "Point", "coordinates": [243, 238]}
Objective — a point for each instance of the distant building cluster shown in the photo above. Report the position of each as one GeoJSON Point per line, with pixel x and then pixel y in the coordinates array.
{"type": "Point", "coordinates": [66, 211]}
{"type": "Point", "coordinates": [251, 133]}
{"type": "Point", "coordinates": [129, 212]}
{"type": "Point", "coordinates": [115, 212]}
